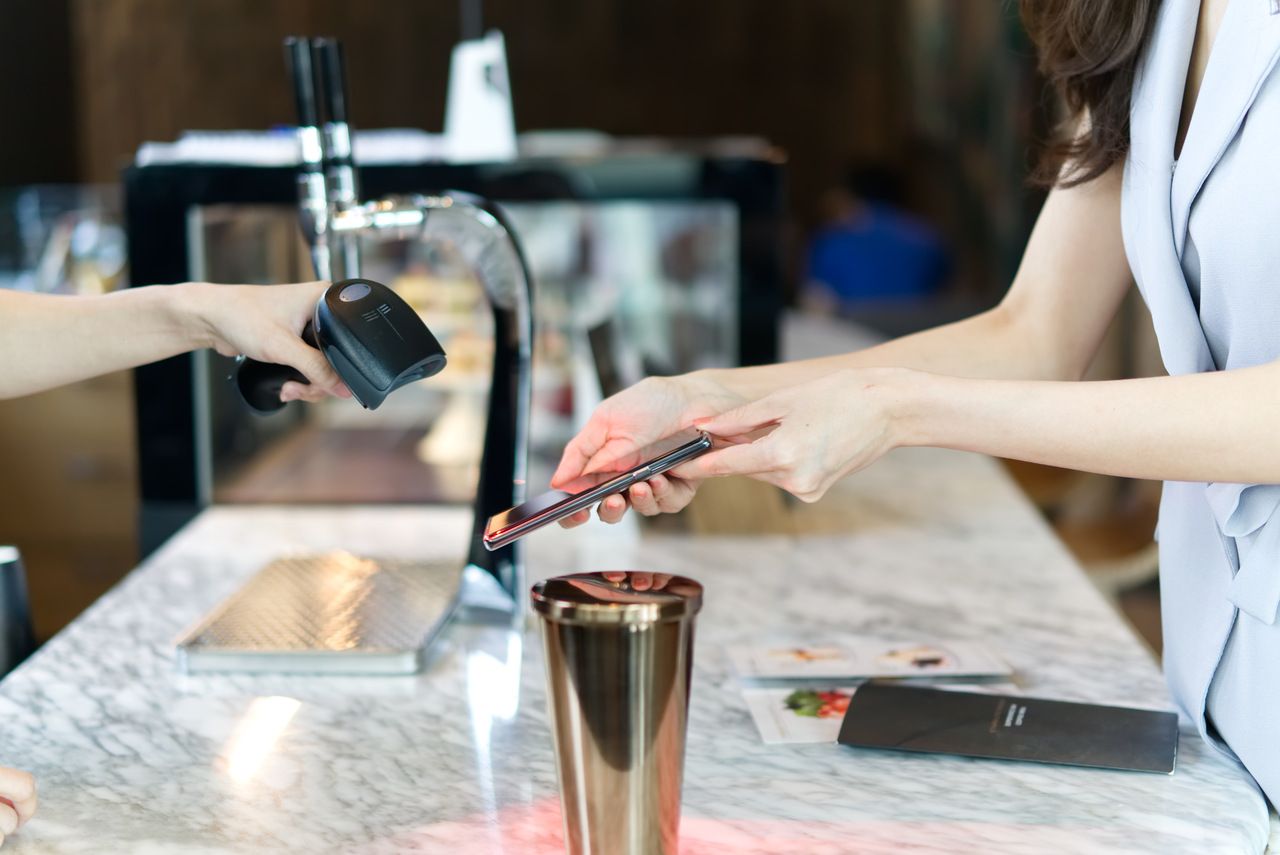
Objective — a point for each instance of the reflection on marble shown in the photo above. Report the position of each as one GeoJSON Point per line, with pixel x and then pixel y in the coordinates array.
{"type": "Point", "coordinates": [133, 757]}
{"type": "Point", "coordinates": [255, 736]}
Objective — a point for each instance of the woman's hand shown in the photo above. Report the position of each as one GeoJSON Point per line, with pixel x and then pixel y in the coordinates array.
{"type": "Point", "coordinates": [17, 800]}
{"type": "Point", "coordinates": [620, 430]}
{"type": "Point", "coordinates": [817, 432]}
{"type": "Point", "coordinates": [265, 323]}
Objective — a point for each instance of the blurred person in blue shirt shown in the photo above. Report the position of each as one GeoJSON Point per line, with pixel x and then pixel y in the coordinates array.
{"type": "Point", "coordinates": [869, 249]}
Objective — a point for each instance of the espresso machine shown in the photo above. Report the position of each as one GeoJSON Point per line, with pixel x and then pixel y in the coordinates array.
{"type": "Point", "coordinates": [397, 606]}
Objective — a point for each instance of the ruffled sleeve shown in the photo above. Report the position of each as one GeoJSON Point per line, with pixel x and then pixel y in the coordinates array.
{"type": "Point", "coordinates": [1247, 514]}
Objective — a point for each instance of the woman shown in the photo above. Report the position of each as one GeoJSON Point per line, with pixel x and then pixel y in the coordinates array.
{"type": "Point", "coordinates": [46, 341]}
{"type": "Point", "coordinates": [1170, 174]}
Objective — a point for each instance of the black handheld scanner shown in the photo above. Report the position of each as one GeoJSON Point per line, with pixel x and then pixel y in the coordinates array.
{"type": "Point", "coordinates": [374, 340]}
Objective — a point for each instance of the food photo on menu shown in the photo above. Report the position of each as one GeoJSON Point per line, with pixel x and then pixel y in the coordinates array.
{"type": "Point", "coordinates": [858, 657]}
{"type": "Point", "coordinates": [815, 715]}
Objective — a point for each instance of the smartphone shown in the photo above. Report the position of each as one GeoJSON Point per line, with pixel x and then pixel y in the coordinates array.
{"type": "Point", "coordinates": [514, 523]}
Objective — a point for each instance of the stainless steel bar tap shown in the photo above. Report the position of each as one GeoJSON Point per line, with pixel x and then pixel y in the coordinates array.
{"type": "Point", "coordinates": [313, 202]}
{"type": "Point", "coordinates": [343, 192]}
{"type": "Point", "coordinates": [335, 223]}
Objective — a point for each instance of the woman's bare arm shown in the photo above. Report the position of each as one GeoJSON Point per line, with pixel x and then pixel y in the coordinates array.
{"type": "Point", "coordinates": [49, 340]}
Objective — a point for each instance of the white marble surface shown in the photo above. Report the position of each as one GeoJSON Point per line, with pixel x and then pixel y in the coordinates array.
{"type": "Point", "coordinates": [133, 757]}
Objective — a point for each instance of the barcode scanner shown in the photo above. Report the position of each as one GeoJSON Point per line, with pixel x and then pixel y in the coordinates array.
{"type": "Point", "coordinates": [374, 340]}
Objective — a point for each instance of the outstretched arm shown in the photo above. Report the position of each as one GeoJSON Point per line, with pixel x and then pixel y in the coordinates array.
{"type": "Point", "coordinates": [49, 340]}
{"type": "Point", "coordinates": [1216, 426]}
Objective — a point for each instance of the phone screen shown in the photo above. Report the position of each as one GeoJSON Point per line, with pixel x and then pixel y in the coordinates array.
{"type": "Point", "coordinates": [514, 523]}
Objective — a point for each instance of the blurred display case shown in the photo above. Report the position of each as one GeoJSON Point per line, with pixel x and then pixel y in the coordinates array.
{"type": "Point", "coordinates": [67, 455]}
{"type": "Point", "coordinates": [61, 239]}
{"type": "Point", "coordinates": [624, 289]}
{"type": "Point", "coordinates": [642, 265]}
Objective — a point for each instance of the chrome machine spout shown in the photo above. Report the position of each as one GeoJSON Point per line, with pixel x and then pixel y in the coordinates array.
{"type": "Point", "coordinates": [335, 223]}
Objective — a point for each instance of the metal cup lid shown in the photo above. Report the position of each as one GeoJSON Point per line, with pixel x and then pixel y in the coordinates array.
{"type": "Point", "coordinates": [612, 598]}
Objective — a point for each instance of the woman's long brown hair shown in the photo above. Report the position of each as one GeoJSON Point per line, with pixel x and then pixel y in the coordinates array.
{"type": "Point", "coordinates": [1089, 50]}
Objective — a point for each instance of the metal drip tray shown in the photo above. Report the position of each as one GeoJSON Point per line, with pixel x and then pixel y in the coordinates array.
{"type": "Point", "coordinates": [332, 613]}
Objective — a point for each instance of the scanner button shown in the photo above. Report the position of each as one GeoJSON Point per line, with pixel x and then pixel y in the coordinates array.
{"type": "Point", "coordinates": [353, 292]}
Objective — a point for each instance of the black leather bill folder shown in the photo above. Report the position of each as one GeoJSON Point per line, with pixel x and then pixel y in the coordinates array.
{"type": "Point", "coordinates": [1009, 727]}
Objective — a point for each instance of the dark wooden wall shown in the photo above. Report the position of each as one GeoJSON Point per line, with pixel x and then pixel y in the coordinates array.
{"type": "Point", "coordinates": [37, 114]}
{"type": "Point", "coordinates": [819, 77]}
{"type": "Point", "coordinates": [940, 89]}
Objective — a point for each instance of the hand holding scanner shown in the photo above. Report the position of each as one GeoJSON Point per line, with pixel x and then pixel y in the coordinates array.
{"type": "Point", "coordinates": [374, 340]}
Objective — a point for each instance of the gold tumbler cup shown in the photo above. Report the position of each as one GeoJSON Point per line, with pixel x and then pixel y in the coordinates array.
{"type": "Point", "coordinates": [618, 650]}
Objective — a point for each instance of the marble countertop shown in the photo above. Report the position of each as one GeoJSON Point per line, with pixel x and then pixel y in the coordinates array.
{"type": "Point", "coordinates": [132, 756]}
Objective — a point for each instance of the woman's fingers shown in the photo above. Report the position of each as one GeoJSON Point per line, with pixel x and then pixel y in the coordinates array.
{"type": "Point", "coordinates": [658, 495]}
{"type": "Point", "coordinates": [672, 494]}
{"type": "Point", "coordinates": [294, 391]}
{"type": "Point", "coordinates": [579, 462]}
{"type": "Point", "coordinates": [612, 509]}
{"type": "Point", "coordinates": [616, 455]}
{"type": "Point", "coordinates": [18, 793]}
{"type": "Point", "coordinates": [576, 519]}
{"type": "Point", "coordinates": [742, 420]}
{"type": "Point", "coordinates": [643, 500]}
{"type": "Point", "coordinates": [8, 821]}
{"type": "Point", "coordinates": [594, 450]}
{"type": "Point", "coordinates": [580, 449]}
{"type": "Point", "coordinates": [25, 808]}
{"type": "Point", "coordinates": [752, 458]}
{"type": "Point", "coordinates": [311, 363]}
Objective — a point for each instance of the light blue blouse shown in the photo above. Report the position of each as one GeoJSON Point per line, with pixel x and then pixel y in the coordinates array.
{"type": "Point", "coordinates": [1219, 543]}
